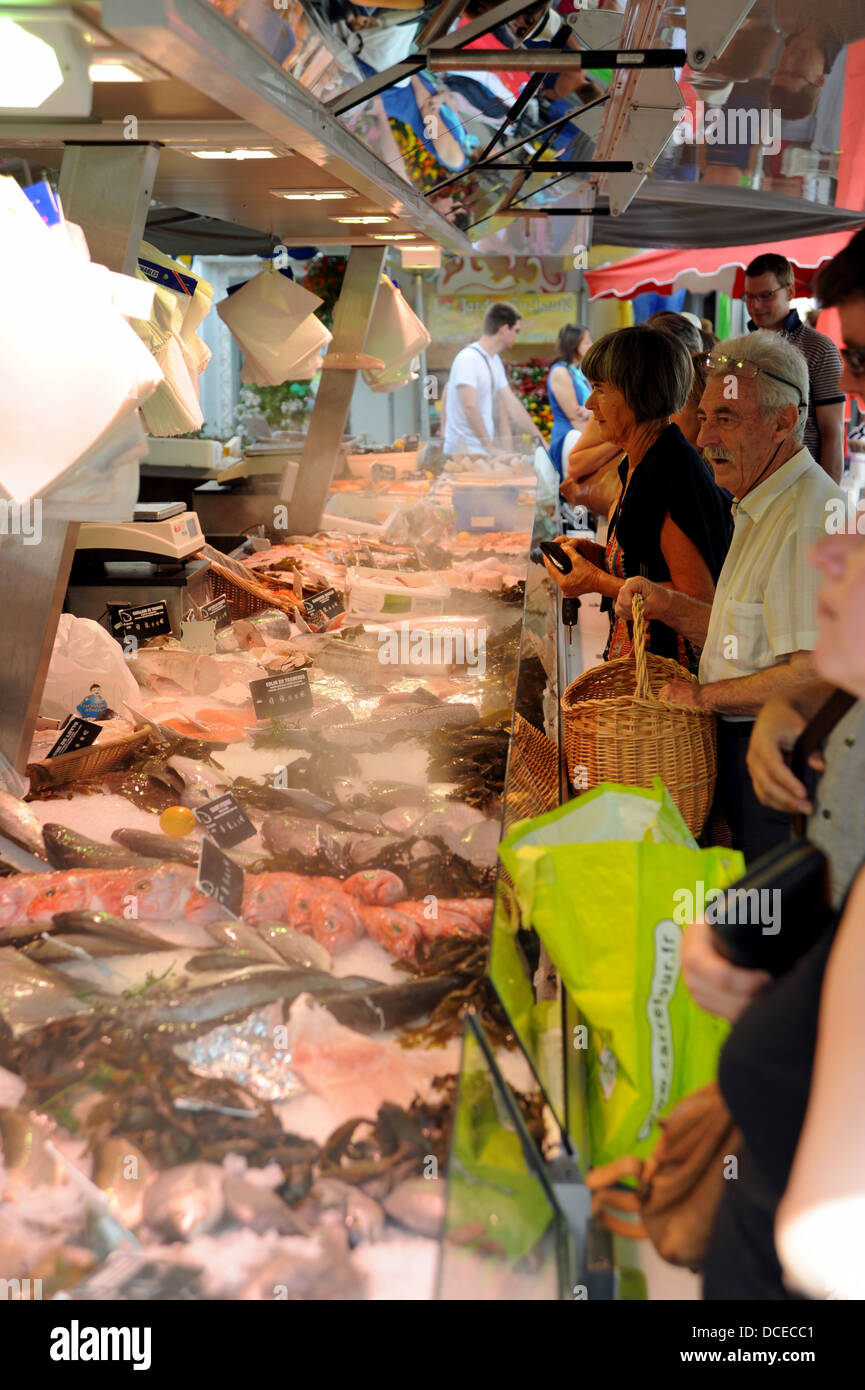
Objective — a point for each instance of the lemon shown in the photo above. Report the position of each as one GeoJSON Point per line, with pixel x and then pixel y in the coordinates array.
{"type": "Point", "coordinates": [177, 821]}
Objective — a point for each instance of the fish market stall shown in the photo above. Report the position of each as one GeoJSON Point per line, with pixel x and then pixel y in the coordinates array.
{"type": "Point", "coordinates": [241, 929]}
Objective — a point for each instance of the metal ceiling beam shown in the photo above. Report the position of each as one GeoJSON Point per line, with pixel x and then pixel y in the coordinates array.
{"type": "Point", "coordinates": [441, 21]}
{"type": "Point", "coordinates": [378, 82]}
{"type": "Point", "coordinates": [569, 166]}
{"type": "Point", "coordinates": [524, 97]}
{"type": "Point", "coordinates": [193, 42]}
{"type": "Point", "coordinates": [545, 130]}
{"type": "Point", "coordinates": [550, 60]}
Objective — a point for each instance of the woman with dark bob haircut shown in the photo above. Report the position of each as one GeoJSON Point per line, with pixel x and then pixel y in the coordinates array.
{"type": "Point", "coordinates": [670, 522]}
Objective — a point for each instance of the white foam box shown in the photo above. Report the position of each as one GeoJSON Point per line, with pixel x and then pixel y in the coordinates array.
{"type": "Point", "coordinates": [372, 591]}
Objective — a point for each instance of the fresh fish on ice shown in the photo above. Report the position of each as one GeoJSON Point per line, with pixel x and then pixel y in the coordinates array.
{"type": "Point", "coordinates": [20, 824]}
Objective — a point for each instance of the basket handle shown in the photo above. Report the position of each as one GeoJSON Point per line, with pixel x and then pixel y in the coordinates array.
{"type": "Point", "coordinates": [643, 691]}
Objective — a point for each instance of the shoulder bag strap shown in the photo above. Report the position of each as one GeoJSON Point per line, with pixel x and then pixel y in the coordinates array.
{"type": "Point", "coordinates": [812, 737]}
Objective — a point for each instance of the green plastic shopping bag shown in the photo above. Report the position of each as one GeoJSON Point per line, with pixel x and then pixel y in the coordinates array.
{"type": "Point", "coordinates": [608, 881]}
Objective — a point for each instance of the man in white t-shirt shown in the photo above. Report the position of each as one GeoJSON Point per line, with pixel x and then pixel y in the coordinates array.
{"type": "Point", "coordinates": [480, 409]}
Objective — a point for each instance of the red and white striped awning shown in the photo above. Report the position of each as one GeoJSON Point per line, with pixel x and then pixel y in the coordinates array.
{"type": "Point", "coordinates": [720, 268]}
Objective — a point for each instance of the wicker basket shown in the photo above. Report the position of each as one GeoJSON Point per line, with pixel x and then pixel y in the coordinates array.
{"type": "Point", "coordinates": [84, 763]}
{"type": "Point", "coordinates": [615, 728]}
{"type": "Point", "coordinates": [244, 596]}
{"type": "Point", "coordinates": [533, 774]}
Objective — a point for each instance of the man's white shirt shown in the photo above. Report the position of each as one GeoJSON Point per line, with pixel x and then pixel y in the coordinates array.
{"type": "Point", "coordinates": [765, 604]}
{"type": "Point", "coordinates": [485, 372]}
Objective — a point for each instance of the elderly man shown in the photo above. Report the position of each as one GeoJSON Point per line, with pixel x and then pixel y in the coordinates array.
{"type": "Point", "coordinates": [759, 629]}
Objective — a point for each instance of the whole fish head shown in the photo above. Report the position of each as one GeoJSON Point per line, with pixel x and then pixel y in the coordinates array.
{"type": "Point", "coordinates": [157, 895]}
{"type": "Point", "coordinates": [60, 892]}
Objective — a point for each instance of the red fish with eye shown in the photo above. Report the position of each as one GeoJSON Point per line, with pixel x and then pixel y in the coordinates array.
{"type": "Point", "coordinates": [444, 923]}
{"type": "Point", "coordinates": [376, 887]}
{"type": "Point", "coordinates": [336, 921]}
{"type": "Point", "coordinates": [393, 929]}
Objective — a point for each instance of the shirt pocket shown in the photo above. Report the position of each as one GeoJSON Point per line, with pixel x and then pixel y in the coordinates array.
{"type": "Point", "coordinates": [746, 643]}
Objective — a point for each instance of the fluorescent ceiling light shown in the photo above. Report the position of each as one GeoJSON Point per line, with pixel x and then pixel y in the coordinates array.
{"type": "Point", "coordinates": [363, 220]}
{"type": "Point", "coordinates": [29, 70]}
{"type": "Point", "coordinates": [313, 195]}
{"type": "Point", "coordinates": [232, 154]}
{"type": "Point", "coordinates": [393, 236]}
{"type": "Point", "coordinates": [113, 72]}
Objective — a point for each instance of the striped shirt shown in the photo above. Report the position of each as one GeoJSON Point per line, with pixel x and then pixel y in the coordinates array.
{"type": "Point", "coordinates": [765, 604]}
{"type": "Point", "coordinates": [824, 371]}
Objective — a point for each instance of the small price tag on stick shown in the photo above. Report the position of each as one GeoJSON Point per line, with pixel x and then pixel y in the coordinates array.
{"type": "Point", "coordinates": [220, 879]}
{"type": "Point", "coordinates": [224, 821]}
{"type": "Point", "coordinates": [77, 733]}
{"type": "Point", "coordinates": [322, 608]}
{"type": "Point", "coordinates": [217, 609]}
{"type": "Point", "coordinates": [276, 695]}
{"type": "Point", "coordinates": [145, 620]}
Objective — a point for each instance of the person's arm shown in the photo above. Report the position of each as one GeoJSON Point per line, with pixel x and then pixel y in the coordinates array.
{"type": "Point", "coordinates": [689, 616]}
{"type": "Point", "coordinates": [830, 423]}
{"type": "Point", "coordinates": [562, 387]}
{"type": "Point", "coordinates": [472, 412]}
{"type": "Point", "coordinates": [590, 453]}
{"type": "Point", "coordinates": [518, 413]}
{"type": "Point", "coordinates": [777, 727]}
{"type": "Point", "coordinates": [823, 1255]}
{"type": "Point", "coordinates": [689, 573]}
{"type": "Point", "coordinates": [748, 694]}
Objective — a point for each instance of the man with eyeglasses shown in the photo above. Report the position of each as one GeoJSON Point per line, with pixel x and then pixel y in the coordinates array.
{"type": "Point", "coordinates": [757, 633]}
{"type": "Point", "coordinates": [769, 288]}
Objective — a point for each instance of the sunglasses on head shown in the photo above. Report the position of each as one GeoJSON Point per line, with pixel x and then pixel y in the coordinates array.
{"type": "Point", "coordinates": [714, 360]}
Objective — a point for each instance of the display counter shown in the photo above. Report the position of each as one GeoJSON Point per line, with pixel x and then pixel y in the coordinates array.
{"type": "Point", "coordinates": [257, 913]}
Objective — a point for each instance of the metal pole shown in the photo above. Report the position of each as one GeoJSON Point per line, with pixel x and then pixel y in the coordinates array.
{"type": "Point", "coordinates": [422, 408]}
{"type": "Point", "coordinates": [351, 320]}
{"type": "Point", "coordinates": [536, 60]}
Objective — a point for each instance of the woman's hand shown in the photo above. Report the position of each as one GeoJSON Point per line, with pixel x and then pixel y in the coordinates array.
{"type": "Point", "coordinates": [776, 729]}
{"type": "Point", "coordinates": [583, 578]}
{"type": "Point", "coordinates": [716, 985]}
{"type": "Point", "coordinates": [592, 551]}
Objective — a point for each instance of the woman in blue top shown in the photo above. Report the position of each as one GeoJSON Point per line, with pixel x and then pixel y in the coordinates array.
{"type": "Point", "coordinates": [567, 388]}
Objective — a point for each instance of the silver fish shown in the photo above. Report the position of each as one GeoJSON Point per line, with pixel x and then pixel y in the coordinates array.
{"type": "Point", "coordinates": [201, 782]}
{"type": "Point", "coordinates": [295, 947]}
{"type": "Point", "coordinates": [185, 1202]}
{"type": "Point", "coordinates": [196, 1010]}
{"type": "Point", "coordinates": [246, 939]}
{"type": "Point", "coordinates": [104, 926]}
{"type": "Point", "coordinates": [18, 823]}
{"type": "Point", "coordinates": [33, 995]}
{"type": "Point", "coordinates": [419, 1205]}
{"type": "Point", "coordinates": [162, 847]}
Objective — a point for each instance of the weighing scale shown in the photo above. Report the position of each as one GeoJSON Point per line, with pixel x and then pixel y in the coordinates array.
{"type": "Point", "coordinates": [139, 561]}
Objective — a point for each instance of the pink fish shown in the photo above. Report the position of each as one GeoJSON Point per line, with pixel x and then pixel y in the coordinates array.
{"type": "Point", "coordinates": [377, 887]}
{"type": "Point", "coordinates": [336, 921]}
{"type": "Point", "coordinates": [393, 929]}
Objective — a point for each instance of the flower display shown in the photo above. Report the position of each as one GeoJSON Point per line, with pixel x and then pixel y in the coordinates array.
{"type": "Point", "coordinates": [528, 381]}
